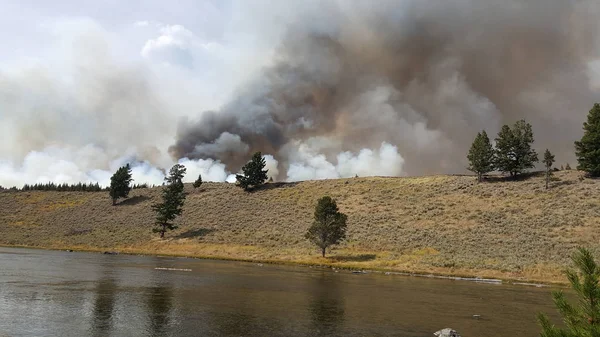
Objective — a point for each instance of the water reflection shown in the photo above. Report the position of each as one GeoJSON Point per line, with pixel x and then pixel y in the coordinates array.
{"type": "Point", "coordinates": [44, 295]}
{"type": "Point", "coordinates": [238, 324]}
{"type": "Point", "coordinates": [104, 304]}
{"type": "Point", "coordinates": [327, 306]}
{"type": "Point", "coordinates": [240, 320]}
{"type": "Point", "coordinates": [160, 303]}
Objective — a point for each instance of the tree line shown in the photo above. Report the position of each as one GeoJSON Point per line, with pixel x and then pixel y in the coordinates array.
{"type": "Point", "coordinates": [513, 154]}
{"type": "Point", "coordinates": [79, 187]}
{"type": "Point", "coordinates": [64, 187]}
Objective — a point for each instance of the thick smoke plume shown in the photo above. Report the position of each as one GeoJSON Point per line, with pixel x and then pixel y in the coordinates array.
{"type": "Point", "coordinates": [419, 77]}
{"type": "Point", "coordinates": [387, 87]}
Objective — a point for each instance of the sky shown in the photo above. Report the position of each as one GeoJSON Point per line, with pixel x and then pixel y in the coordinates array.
{"type": "Point", "coordinates": [184, 58]}
{"type": "Point", "coordinates": [204, 40]}
{"type": "Point", "coordinates": [325, 89]}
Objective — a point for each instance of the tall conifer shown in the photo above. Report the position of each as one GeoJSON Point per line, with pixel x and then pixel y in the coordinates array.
{"type": "Point", "coordinates": [587, 149]}
{"type": "Point", "coordinates": [481, 156]}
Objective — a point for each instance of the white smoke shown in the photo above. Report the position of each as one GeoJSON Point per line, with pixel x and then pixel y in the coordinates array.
{"type": "Point", "coordinates": [271, 166]}
{"type": "Point", "coordinates": [90, 164]}
{"type": "Point", "coordinates": [143, 173]}
{"type": "Point", "coordinates": [385, 162]}
{"type": "Point", "coordinates": [309, 164]}
{"type": "Point", "coordinates": [209, 169]}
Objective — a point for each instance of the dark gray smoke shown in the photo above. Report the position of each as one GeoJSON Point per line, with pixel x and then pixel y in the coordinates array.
{"type": "Point", "coordinates": [424, 76]}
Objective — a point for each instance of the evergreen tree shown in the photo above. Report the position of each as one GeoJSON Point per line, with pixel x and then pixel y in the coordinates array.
{"type": "Point", "coordinates": [173, 197]}
{"type": "Point", "coordinates": [568, 167]}
{"type": "Point", "coordinates": [481, 156]}
{"type": "Point", "coordinates": [581, 319]}
{"type": "Point", "coordinates": [587, 149]}
{"type": "Point", "coordinates": [120, 183]}
{"type": "Point", "coordinates": [198, 181]}
{"type": "Point", "coordinates": [253, 173]}
{"type": "Point", "coordinates": [548, 161]}
{"type": "Point", "coordinates": [514, 154]}
{"type": "Point", "coordinates": [329, 226]}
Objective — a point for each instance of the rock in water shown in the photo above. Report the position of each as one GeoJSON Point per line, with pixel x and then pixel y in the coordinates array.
{"type": "Point", "coordinates": [447, 333]}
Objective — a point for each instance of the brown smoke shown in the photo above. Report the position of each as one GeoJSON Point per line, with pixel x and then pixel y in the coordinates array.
{"type": "Point", "coordinates": [425, 76]}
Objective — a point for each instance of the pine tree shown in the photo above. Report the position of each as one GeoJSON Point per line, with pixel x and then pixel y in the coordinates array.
{"type": "Point", "coordinates": [173, 196]}
{"type": "Point", "coordinates": [253, 173]}
{"type": "Point", "coordinates": [581, 319]}
{"type": "Point", "coordinates": [198, 181]}
{"type": "Point", "coordinates": [120, 183]}
{"type": "Point", "coordinates": [548, 161]}
{"type": "Point", "coordinates": [587, 149]}
{"type": "Point", "coordinates": [481, 156]}
{"type": "Point", "coordinates": [514, 154]}
{"type": "Point", "coordinates": [329, 226]}
{"type": "Point", "coordinates": [568, 167]}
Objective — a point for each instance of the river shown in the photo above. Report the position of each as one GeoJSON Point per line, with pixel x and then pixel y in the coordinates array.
{"type": "Point", "coordinates": [54, 293]}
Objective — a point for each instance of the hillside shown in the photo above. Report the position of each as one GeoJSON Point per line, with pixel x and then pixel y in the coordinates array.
{"type": "Point", "coordinates": [440, 224]}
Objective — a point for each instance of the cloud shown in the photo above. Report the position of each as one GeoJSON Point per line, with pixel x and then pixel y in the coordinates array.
{"type": "Point", "coordinates": [178, 46]}
{"type": "Point", "coordinates": [173, 45]}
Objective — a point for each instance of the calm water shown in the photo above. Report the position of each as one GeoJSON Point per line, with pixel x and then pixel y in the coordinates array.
{"type": "Point", "coordinates": [46, 293]}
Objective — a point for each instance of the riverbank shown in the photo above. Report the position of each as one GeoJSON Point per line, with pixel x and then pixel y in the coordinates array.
{"type": "Point", "coordinates": [343, 260]}
{"type": "Point", "coordinates": [443, 225]}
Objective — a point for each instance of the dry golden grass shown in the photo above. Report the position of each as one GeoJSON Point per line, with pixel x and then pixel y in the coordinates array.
{"type": "Point", "coordinates": [439, 224]}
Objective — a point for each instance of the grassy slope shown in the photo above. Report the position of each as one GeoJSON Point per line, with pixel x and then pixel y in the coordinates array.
{"type": "Point", "coordinates": [439, 224]}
